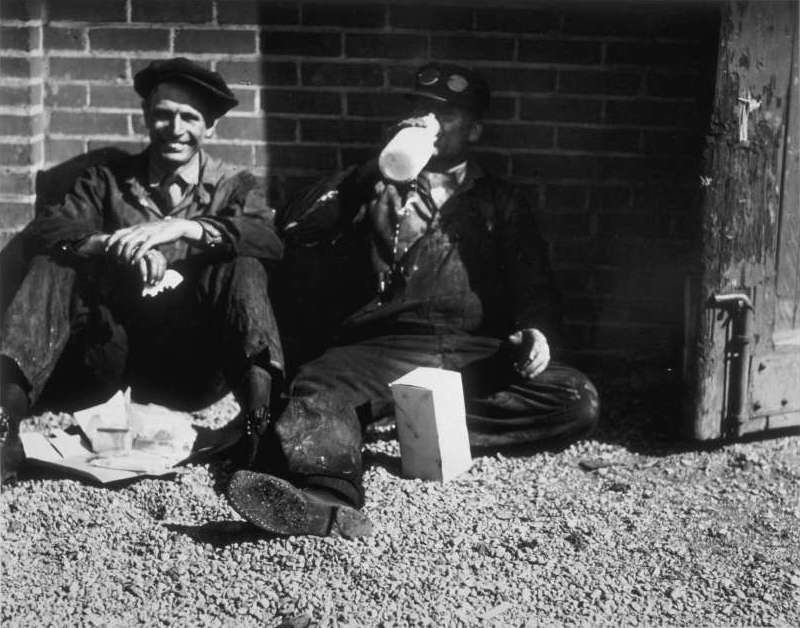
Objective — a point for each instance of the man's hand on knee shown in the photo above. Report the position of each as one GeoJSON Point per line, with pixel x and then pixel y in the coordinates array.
{"type": "Point", "coordinates": [534, 352]}
{"type": "Point", "coordinates": [152, 267]}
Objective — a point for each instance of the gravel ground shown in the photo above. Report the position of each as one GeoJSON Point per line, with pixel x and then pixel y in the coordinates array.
{"type": "Point", "coordinates": [626, 527]}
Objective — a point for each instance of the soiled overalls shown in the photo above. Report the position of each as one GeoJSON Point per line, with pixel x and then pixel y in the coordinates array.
{"type": "Point", "coordinates": [479, 273]}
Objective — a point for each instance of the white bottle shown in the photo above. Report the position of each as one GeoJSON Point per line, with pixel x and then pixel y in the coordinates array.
{"type": "Point", "coordinates": [406, 154]}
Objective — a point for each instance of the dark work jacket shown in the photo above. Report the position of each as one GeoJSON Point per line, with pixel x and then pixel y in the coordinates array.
{"type": "Point", "coordinates": [482, 268]}
{"type": "Point", "coordinates": [114, 195]}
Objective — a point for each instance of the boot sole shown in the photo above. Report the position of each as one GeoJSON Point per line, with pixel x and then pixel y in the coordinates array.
{"type": "Point", "coordinates": [277, 506]}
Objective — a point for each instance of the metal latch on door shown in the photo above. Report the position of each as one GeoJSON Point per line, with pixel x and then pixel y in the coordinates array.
{"type": "Point", "coordinates": [737, 354]}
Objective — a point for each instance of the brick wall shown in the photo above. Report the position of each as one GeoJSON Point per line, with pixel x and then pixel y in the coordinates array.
{"type": "Point", "coordinates": [598, 112]}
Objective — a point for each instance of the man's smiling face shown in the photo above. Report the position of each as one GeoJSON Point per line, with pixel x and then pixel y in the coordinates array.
{"type": "Point", "coordinates": [178, 126]}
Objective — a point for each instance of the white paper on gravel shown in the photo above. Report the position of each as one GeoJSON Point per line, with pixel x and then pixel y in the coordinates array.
{"type": "Point", "coordinates": [431, 424]}
{"type": "Point", "coordinates": [126, 440]}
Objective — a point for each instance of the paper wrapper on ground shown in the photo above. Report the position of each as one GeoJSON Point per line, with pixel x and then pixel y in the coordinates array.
{"type": "Point", "coordinates": [431, 424]}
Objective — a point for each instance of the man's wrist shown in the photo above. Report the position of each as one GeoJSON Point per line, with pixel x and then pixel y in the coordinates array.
{"type": "Point", "coordinates": [193, 231]}
{"type": "Point", "coordinates": [92, 245]}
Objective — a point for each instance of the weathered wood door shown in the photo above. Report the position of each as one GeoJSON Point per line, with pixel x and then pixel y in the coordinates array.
{"type": "Point", "coordinates": [744, 323]}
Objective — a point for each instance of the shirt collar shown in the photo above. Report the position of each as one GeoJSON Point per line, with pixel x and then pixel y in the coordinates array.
{"type": "Point", "coordinates": [188, 173]}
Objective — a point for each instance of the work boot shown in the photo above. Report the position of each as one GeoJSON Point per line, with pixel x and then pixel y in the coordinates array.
{"type": "Point", "coordinates": [14, 407]}
{"type": "Point", "coordinates": [11, 452]}
{"type": "Point", "coordinates": [279, 507]}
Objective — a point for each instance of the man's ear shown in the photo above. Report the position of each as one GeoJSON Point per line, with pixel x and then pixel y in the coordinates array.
{"type": "Point", "coordinates": [475, 131]}
{"type": "Point", "coordinates": [146, 112]}
{"type": "Point", "coordinates": [210, 129]}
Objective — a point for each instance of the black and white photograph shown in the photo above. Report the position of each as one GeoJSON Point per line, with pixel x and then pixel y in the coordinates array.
{"type": "Point", "coordinates": [392, 313]}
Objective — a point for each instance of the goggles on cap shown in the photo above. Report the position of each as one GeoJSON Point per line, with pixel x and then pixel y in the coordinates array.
{"type": "Point", "coordinates": [456, 83]}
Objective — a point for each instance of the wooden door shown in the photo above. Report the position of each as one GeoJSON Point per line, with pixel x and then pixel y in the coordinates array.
{"type": "Point", "coordinates": [743, 317]}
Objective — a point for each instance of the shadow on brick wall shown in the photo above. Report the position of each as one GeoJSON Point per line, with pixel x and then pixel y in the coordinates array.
{"type": "Point", "coordinates": [52, 185]}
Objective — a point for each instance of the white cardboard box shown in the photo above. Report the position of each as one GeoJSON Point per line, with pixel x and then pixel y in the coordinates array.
{"type": "Point", "coordinates": [431, 424]}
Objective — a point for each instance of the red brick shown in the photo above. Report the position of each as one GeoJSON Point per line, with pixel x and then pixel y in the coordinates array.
{"type": "Point", "coordinates": [672, 142]}
{"type": "Point", "coordinates": [138, 63]}
{"type": "Point", "coordinates": [87, 11]}
{"type": "Point", "coordinates": [58, 150]}
{"type": "Point", "coordinates": [352, 155]}
{"type": "Point", "coordinates": [632, 224]}
{"type": "Point", "coordinates": [610, 198]}
{"type": "Point", "coordinates": [605, 21]}
{"type": "Point", "coordinates": [469, 47]}
{"type": "Point", "coordinates": [562, 224]}
{"type": "Point", "coordinates": [561, 109]}
{"type": "Point", "coordinates": [193, 11]}
{"type": "Point", "coordinates": [59, 95]}
{"type": "Point", "coordinates": [21, 67]}
{"type": "Point", "coordinates": [127, 146]}
{"type": "Point", "coordinates": [295, 157]}
{"type": "Point", "coordinates": [654, 113]}
{"type": "Point", "coordinates": [341, 130]}
{"type": "Point", "coordinates": [345, 15]}
{"type": "Point", "coordinates": [256, 129]}
{"type": "Point", "coordinates": [693, 21]}
{"type": "Point", "coordinates": [672, 85]}
{"type": "Point", "coordinates": [16, 182]}
{"type": "Point", "coordinates": [295, 101]}
{"type": "Point", "coordinates": [24, 10]}
{"type": "Point", "coordinates": [559, 197]}
{"type": "Point", "coordinates": [20, 154]}
{"type": "Point", "coordinates": [26, 124]}
{"type": "Point", "coordinates": [517, 136]}
{"type": "Point", "coordinates": [431, 17]}
{"type": "Point", "coordinates": [650, 168]}
{"type": "Point", "coordinates": [254, 12]}
{"type": "Point", "coordinates": [301, 43]}
{"type": "Point", "coordinates": [129, 39]}
{"type": "Point", "coordinates": [598, 82]}
{"type": "Point", "coordinates": [496, 162]}
{"type": "Point", "coordinates": [81, 68]}
{"type": "Point", "coordinates": [358, 74]}
{"type": "Point", "coordinates": [15, 215]}
{"type": "Point", "coordinates": [114, 96]}
{"type": "Point", "coordinates": [379, 104]}
{"type": "Point", "coordinates": [653, 54]}
{"type": "Point", "coordinates": [215, 41]}
{"type": "Point", "coordinates": [88, 123]}
{"type": "Point", "coordinates": [555, 167]}
{"type": "Point", "coordinates": [519, 79]}
{"type": "Point", "coordinates": [598, 140]}
{"type": "Point", "coordinates": [516, 20]}
{"type": "Point", "coordinates": [559, 51]}
{"type": "Point", "coordinates": [20, 95]}
{"type": "Point", "coordinates": [19, 38]}
{"type": "Point", "coordinates": [235, 154]}
{"type": "Point", "coordinates": [64, 38]}
{"type": "Point", "coordinates": [502, 108]}
{"type": "Point", "coordinates": [259, 72]}
{"type": "Point", "coordinates": [386, 46]}
{"type": "Point", "coordinates": [246, 98]}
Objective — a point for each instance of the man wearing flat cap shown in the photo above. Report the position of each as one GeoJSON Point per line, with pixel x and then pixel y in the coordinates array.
{"type": "Point", "coordinates": [151, 271]}
{"type": "Point", "coordinates": [446, 270]}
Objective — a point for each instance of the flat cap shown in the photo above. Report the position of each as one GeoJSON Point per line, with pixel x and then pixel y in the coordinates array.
{"type": "Point", "coordinates": [219, 96]}
{"type": "Point", "coordinates": [453, 84]}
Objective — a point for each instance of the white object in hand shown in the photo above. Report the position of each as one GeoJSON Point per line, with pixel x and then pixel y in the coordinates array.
{"type": "Point", "coordinates": [170, 280]}
{"type": "Point", "coordinates": [407, 153]}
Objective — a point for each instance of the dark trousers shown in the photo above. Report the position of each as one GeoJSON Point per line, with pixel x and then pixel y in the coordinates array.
{"type": "Point", "coordinates": [331, 397]}
{"type": "Point", "coordinates": [83, 327]}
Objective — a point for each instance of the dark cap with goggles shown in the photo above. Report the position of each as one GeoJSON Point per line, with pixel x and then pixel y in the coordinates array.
{"type": "Point", "coordinates": [452, 84]}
